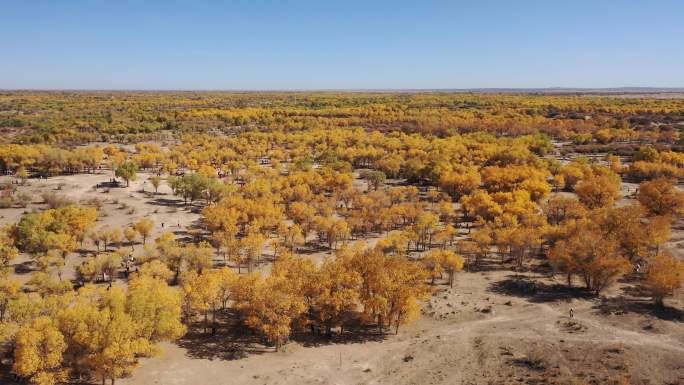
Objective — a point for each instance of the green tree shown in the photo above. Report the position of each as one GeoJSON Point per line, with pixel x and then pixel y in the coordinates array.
{"type": "Point", "coordinates": [127, 171]}
{"type": "Point", "coordinates": [156, 182]}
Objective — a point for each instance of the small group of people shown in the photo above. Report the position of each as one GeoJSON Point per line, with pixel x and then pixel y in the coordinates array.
{"type": "Point", "coordinates": [128, 264]}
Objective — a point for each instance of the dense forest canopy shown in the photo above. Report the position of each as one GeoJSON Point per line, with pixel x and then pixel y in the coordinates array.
{"type": "Point", "coordinates": [81, 117]}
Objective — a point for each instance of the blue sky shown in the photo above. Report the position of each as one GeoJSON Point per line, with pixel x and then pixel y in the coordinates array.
{"type": "Point", "coordinates": [167, 44]}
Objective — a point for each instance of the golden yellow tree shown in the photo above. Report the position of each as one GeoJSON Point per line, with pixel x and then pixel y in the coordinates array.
{"type": "Point", "coordinates": [433, 264]}
{"type": "Point", "coordinates": [460, 182]}
{"type": "Point", "coordinates": [110, 338]}
{"type": "Point", "coordinates": [452, 263]}
{"type": "Point", "coordinates": [10, 290]}
{"type": "Point", "coordinates": [155, 269]}
{"type": "Point", "coordinates": [598, 191]}
{"type": "Point", "coordinates": [338, 292]}
{"type": "Point", "coordinates": [7, 253]}
{"type": "Point", "coordinates": [660, 197]}
{"type": "Point", "coordinates": [155, 308]}
{"type": "Point", "coordinates": [251, 247]}
{"type": "Point", "coordinates": [391, 285]}
{"type": "Point", "coordinates": [664, 275]}
{"type": "Point", "coordinates": [39, 352]}
{"type": "Point", "coordinates": [201, 294]}
{"type": "Point", "coordinates": [198, 257]}
{"type": "Point", "coordinates": [131, 235]}
{"type": "Point", "coordinates": [592, 255]}
{"type": "Point", "coordinates": [273, 307]}
{"type": "Point", "coordinates": [144, 228]}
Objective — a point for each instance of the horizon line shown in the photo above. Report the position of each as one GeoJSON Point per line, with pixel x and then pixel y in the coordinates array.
{"type": "Point", "coordinates": [620, 89]}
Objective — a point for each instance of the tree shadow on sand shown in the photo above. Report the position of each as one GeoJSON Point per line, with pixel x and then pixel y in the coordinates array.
{"type": "Point", "coordinates": [231, 341]}
{"type": "Point", "coordinates": [234, 341]}
{"type": "Point", "coordinates": [166, 202]}
{"type": "Point", "coordinates": [538, 292]}
{"type": "Point", "coordinates": [354, 333]}
{"type": "Point", "coordinates": [25, 267]}
{"type": "Point", "coordinates": [312, 248]}
{"type": "Point", "coordinates": [634, 300]}
{"type": "Point", "coordinates": [484, 265]}
{"type": "Point", "coordinates": [637, 299]}
{"type": "Point", "coordinates": [624, 305]}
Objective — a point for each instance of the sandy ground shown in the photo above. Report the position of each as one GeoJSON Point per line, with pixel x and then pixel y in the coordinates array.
{"type": "Point", "coordinates": [134, 202]}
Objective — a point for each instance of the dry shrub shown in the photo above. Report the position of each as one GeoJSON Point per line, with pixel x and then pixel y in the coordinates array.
{"type": "Point", "coordinates": [23, 199]}
{"type": "Point", "coordinates": [95, 202]}
{"type": "Point", "coordinates": [535, 359]}
{"type": "Point", "coordinates": [6, 202]}
{"type": "Point", "coordinates": [620, 379]}
{"type": "Point", "coordinates": [54, 200]}
{"type": "Point", "coordinates": [568, 378]}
